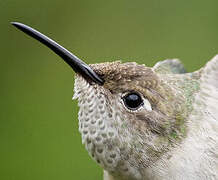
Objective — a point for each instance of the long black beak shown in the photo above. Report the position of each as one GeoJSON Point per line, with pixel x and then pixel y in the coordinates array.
{"type": "Point", "coordinates": [77, 65]}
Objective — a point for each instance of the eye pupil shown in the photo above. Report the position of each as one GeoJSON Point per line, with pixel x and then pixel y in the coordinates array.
{"type": "Point", "coordinates": [132, 101]}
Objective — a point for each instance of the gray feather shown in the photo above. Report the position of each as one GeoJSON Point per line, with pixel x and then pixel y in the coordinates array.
{"type": "Point", "coordinates": [173, 66]}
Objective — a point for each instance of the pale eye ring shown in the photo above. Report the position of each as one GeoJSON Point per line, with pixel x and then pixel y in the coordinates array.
{"type": "Point", "coordinates": [133, 100]}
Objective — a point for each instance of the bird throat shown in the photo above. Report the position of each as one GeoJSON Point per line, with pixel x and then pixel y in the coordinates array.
{"type": "Point", "coordinates": [97, 125]}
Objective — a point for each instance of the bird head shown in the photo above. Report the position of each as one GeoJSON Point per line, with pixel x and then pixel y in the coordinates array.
{"type": "Point", "coordinates": [131, 120]}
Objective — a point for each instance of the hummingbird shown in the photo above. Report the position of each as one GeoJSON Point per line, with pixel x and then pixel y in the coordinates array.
{"type": "Point", "coordinates": [145, 123]}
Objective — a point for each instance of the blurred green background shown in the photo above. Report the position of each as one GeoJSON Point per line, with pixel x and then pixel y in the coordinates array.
{"type": "Point", "coordinates": [39, 136]}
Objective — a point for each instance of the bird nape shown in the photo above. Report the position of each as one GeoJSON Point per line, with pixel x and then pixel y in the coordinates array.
{"type": "Point", "coordinates": [141, 122]}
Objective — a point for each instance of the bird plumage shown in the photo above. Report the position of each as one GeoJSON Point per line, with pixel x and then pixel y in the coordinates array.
{"type": "Point", "coordinates": [178, 139]}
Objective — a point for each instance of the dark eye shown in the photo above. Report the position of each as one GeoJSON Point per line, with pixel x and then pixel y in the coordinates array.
{"type": "Point", "coordinates": [132, 101]}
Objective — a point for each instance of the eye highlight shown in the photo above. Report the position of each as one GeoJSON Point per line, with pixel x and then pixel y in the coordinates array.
{"type": "Point", "coordinates": [132, 101]}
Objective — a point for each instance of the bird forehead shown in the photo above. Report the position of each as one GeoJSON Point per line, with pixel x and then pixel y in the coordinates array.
{"type": "Point", "coordinates": [125, 75]}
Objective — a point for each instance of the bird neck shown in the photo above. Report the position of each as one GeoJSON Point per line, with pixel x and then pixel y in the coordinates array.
{"type": "Point", "coordinates": [194, 158]}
